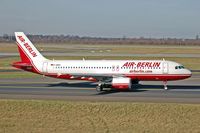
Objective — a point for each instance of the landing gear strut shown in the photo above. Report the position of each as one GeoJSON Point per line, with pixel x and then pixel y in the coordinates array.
{"type": "Point", "coordinates": [99, 88]}
{"type": "Point", "coordinates": [165, 85]}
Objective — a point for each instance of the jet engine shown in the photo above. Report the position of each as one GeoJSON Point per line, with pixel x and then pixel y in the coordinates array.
{"type": "Point", "coordinates": [119, 83]}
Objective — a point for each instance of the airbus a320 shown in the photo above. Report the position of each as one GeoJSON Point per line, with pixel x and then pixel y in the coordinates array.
{"type": "Point", "coordinates": [116, 74]}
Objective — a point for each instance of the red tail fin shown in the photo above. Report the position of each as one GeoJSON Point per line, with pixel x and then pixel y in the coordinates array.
{"type": "Point", "coordinates": [23, 56]}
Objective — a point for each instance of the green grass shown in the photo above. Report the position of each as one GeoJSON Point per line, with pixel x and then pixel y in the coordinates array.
{"type": "Point", "coordinates": [8, 47]}
{"type": "Point", "coordinates": [155, 50]}
{"type": "Point", "coordinates": [125, 48]}
{"type": "Point", "coordinates": [59, 116]}
{"type": "Point", "coordinates": [20, 74]}
{"type": "Point", "coordinates": [6, 62]}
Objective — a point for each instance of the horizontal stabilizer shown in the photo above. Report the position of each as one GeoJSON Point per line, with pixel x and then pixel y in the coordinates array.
{"type": "Point", "coordinates": [21, 64]}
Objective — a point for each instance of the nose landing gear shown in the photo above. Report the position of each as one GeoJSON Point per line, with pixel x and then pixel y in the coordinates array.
{"type": "Point", "coordinates": [165, 85]}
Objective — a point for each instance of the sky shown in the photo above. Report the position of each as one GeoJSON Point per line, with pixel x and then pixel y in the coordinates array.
{"type": "Point", "coordinates": [102, 18]}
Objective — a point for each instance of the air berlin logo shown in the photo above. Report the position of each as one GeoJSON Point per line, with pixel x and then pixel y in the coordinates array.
{"type": "Point", "coordinates": [28, 47]}
{"type": "Point", "coordinates": [141, 64]}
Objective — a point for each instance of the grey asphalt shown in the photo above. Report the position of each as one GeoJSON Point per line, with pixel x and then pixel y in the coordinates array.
{"type": "Point", "coordinates": [185, 91]}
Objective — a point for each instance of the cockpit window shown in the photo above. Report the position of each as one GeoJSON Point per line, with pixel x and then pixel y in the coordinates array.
{"type": "Point", "coordinates": [179, 67]}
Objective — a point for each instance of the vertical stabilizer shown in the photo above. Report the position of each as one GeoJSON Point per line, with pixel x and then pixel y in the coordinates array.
{"type": "Point", "coordinates": [27, 50]}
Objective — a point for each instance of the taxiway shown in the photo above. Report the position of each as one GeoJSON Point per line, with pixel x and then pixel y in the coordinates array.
{"type": "Point", "coordinates": [185, 91]}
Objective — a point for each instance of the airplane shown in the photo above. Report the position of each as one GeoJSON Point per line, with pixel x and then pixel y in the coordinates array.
{"type": "Point", "coordinates": [115, 74]}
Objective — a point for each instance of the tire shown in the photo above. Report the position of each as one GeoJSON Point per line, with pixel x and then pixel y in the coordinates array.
{"type": "Point", "coordinates": [135, 82]}
{"type": "Point", "coordinates": [99, 88]}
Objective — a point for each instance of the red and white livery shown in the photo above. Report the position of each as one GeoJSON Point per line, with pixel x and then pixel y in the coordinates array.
{"type": "Point", "coordinates": [118, 74]}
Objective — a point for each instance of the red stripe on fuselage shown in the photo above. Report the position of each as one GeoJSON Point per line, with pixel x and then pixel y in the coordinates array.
{"type": "Point", "coordinates": [142, 77]}
{"type": "Point", "coordinates": [158, 77]}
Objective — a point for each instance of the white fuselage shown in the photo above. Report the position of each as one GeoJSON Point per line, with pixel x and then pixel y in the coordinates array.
{"type": "Point", "coordinates": [113, 68]}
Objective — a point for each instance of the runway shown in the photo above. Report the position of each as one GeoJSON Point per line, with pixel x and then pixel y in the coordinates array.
{"type": "Point", "coordinates": [185, 91]}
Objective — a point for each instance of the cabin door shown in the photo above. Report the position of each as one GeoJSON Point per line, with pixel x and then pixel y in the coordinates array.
{"type": "Point", "coordinates": [44, 68]}
{"type": "Point", "coordinates": [165, 68]}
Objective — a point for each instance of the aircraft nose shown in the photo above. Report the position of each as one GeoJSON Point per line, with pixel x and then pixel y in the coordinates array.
{"type": "Point", "coordinates": [188, 72]}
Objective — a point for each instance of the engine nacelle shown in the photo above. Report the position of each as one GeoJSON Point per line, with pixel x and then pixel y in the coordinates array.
{"type": "Point", "coordinates": [121, 83]}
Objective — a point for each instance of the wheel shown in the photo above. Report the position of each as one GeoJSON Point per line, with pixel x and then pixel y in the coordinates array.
{"type": "Point", "coordinates": [165, 85]}
{"type": "Point", "coordinates": [134, 81]}
{"type": "Point", "coordinates": [99, 88]}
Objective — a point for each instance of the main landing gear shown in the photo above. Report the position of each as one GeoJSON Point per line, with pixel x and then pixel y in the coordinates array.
{"type": "Point", "coordinates": [165, 85]}
{"type": "Point", "coordinates": [99, 88]}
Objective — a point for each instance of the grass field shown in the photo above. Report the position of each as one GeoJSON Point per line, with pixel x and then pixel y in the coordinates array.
{"type": "Point", "coordinates": [59, 116]}
{"type": "Point", "coordinates": [125, 48]}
